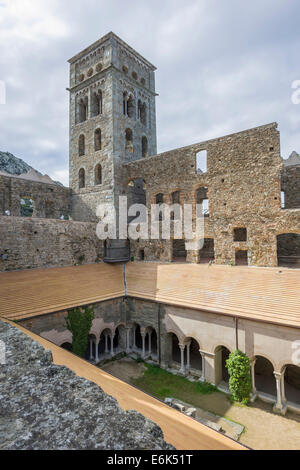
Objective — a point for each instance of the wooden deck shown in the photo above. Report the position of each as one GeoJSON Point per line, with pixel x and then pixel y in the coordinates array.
{"type": "Point", "coordinates": [179, 430]}
{"type": "Point", "coordinates": [264, 294]}
{"type": "Point", "coordinates": [25, 294]}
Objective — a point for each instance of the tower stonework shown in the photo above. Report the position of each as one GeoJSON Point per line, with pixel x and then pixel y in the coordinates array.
{"type": "Point", "coordinates": [112, 121]}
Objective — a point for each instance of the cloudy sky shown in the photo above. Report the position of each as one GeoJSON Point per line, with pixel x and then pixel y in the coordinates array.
{"type": "Point", "coordinates": [223, 66]}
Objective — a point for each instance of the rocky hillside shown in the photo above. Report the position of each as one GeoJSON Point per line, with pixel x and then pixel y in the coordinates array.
{"type": "Point", "coordinates": [13, 165]}
{"type": "Point", "coordinates": [16, 166]}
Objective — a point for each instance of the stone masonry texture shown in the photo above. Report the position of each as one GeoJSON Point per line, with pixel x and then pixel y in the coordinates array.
{"type": "Point", "coordinates": [44, 406]}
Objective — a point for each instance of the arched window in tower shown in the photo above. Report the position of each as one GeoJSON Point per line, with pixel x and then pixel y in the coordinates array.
{"type": "Point", "coordinates": [125, 103]}
{"type": "Point", "coordinates": [98, 174]}
{"type": "Point", "coordinates": [97, 140]}
{"type": "Point", "coordinates": [130, 107]}
{"type": "Point", "coordinates": [81, 145]}
{"type": "Point", "coordinates": [81, 178]}
{"type": "Point", "coordinates": [144, 147]}
{"type": "Point", "coordinates": [129, 140]}
{"type": "Point", "coordinates": [144, 114]}
{"type": "Point", "coordinates": [83, 109]}
{"type": "Point", "coordinates": [96, 104]}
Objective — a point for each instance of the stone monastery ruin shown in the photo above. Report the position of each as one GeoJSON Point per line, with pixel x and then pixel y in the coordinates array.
{"type": "Point", "coordinates": [186, 309]}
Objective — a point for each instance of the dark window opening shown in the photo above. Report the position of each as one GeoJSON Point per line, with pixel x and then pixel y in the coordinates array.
{"type": "Point", "coordinates": [207, 253]}
{"type": "Point", "coordinates": [81, 178]}
{"type": "Point", "coordinates": [144, 147]}
{"type": "Point", "coordinates": [288, 250]}
{"type": "Point", "coordinates": [97, 140]}
{"type": "Point", "coordinates": [240, 234]}
{"type": "Point", "coordinates": [179, 251]}
{"type": "Point", "coordinates": [96, 104]}
{"type": "Point", "coordinates": [81, 145]}
{"type": "Point", "coordinates": [98, 174]}
{"type": "Point", "coordinates": [129, 140]}
{"type": "Point", "coordinates": [241, 258]}
{"type": "Point", "coordinates": [82, 109]}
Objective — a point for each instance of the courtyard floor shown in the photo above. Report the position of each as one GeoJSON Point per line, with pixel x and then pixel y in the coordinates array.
{"type": "Point", "coordinates": [263, 428]}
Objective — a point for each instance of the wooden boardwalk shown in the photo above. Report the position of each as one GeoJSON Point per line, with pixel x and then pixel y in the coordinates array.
{"type": "Point", "coordinates": [25, 294]}
{"type": "Point", "coordinates": [269, 295]}
{"type": "Point", "coordinates": [182, 432]}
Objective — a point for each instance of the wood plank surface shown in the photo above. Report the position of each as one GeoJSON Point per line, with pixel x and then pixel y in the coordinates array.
{"type": "Point", "coordinates": [269, 295]}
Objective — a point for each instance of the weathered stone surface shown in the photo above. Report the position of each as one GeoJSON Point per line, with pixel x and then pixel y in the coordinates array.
{"type": "Point", "coordinates": [28, 243]}
{"type": "Point", "coordinates": [44, 406]}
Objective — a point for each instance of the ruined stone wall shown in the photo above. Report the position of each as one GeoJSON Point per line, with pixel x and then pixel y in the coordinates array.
{"type": "Point", "coordinates": [50, 200]}
{"type": "Point", "coordinates": [27, 243]}
{"type": "Point", "coordinates": [243, 181]}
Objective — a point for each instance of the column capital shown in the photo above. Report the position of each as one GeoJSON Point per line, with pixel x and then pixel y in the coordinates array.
{"type": "Point", "coordinates": [182, 346]}
{"type": "Point", "coordinates": [206, 353]}
{"type": "Point", "coordinates": [278, 375]}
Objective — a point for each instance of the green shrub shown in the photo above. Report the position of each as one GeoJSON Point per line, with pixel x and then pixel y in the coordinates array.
{"type": "Point", "coordinates": [239, 369]}
{"type": "Point", "coordinates": [79, 322]}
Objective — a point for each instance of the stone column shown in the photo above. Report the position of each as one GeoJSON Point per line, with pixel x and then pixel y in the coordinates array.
{"type": "Point", "coordinates": [182, 348]}
{"type": "Point", "coordinates": [188, 361]}
{"type": "Point", "coordinates": [284, 400]}
{"type": "Point", "coordinates": [150, 345]}
{"type": "Point", "coordinates": [203, 378]}
{"type": "Point", "coordinates": [254, 392]}
{"type": "Point", "coordinates": [278, 406]}
{"type": "Point", "coordinates": [128, 340]}
{"type": "Point", "coordinates": [112, 344]}
{"type": "Point", "coordinates": [97, 354]}
{"type": "Point", "coordinates": [208, 367]}
{"type": "Point", "coordinates": [91, 349]}
{"type": "Point", "coordinates": [143, 334]}
{"type": "Point", "coordinates": [193, 256]}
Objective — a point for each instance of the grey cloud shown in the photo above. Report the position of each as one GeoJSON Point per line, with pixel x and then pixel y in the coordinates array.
{"type": "Point", "coordinates": [222, 67]}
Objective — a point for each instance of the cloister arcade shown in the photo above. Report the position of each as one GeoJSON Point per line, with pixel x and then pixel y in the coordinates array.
{"type": "Point", "coordinates": [129, 339]}
{"type": "Point", "coordinates": [277, 384]}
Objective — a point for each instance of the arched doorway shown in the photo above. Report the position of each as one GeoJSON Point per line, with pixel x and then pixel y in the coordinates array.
{"type": "Point", "coordinates": [195, 356]}
{"type": "Point", "coordinates": [138, 341]}
{"type": "Point", "coordinates": [207, 253]}
{"type": "Point", "coordinates": [179, 251]}
{"type": "Point", "coordinates": [264, 376]}
{"type": "Point", "coordinates": [176, 356]}
{"type": "Point", "coordinates": [292, 384]}
{"type": "Point", "coordinates": [104, 347]}
{"type": "Point", "coordinates": [221, 372]}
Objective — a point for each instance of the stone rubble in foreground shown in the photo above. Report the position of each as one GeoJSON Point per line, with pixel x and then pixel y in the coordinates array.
{"type": "Point", "coordinates": [45, 406]}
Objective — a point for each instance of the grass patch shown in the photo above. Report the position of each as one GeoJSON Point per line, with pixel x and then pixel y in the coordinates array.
{"type": "Point", "coordinates": [161, 384]}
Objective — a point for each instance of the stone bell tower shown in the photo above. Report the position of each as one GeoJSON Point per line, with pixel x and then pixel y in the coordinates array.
{"type": "Point", "coordinates": [112, 121]}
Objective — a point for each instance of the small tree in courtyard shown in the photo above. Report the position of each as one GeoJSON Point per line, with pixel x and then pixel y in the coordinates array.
{"type": "Point", "coordinates": [79, 322]}
{"type": "Point", "coordinates": [239, 369]}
